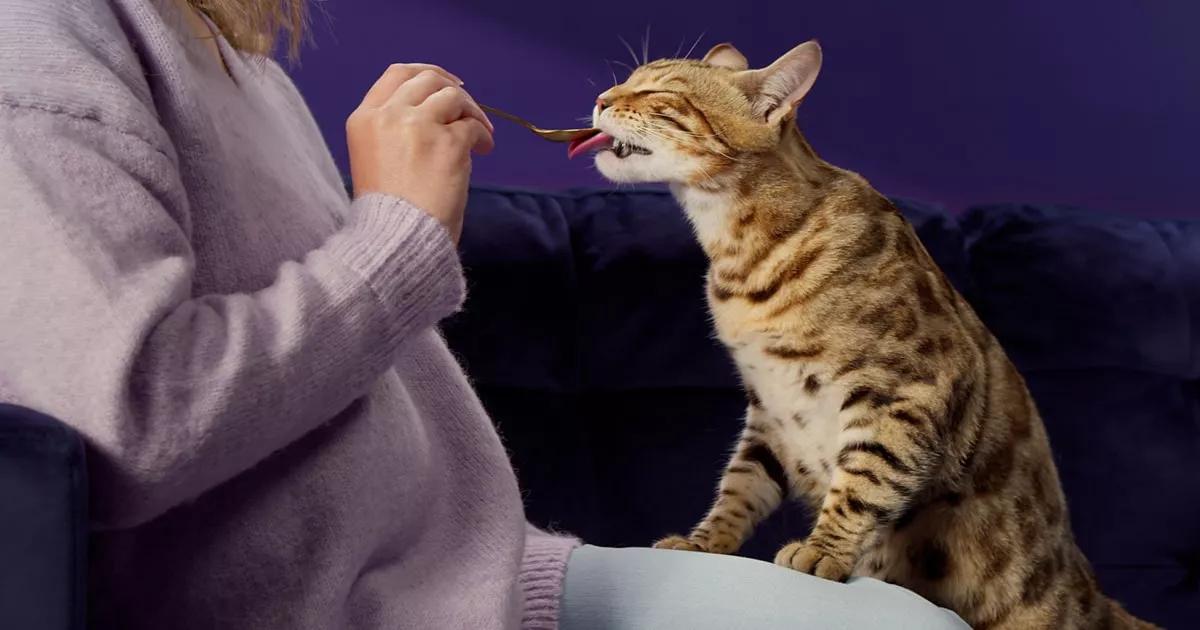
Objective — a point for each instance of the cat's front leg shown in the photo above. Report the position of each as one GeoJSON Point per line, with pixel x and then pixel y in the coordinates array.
{"type": "Point", "coordinates": [887, 451]}
{"type": "Point", "coordinates": [751, 488]}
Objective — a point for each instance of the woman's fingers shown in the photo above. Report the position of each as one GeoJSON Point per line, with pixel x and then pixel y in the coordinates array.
{"type": "Point", "coordinates": [412, 138]}
{"type": "Point", "coordinates": [416, 90]}
{"type": "Point", "coordinates": [472, 133]}
{"type": "Point", "coordinates": [396, 75]}
{"type": "Point", "coordinates": [452, 103]}
{"type": "Point", "coordinates": [432, 89]}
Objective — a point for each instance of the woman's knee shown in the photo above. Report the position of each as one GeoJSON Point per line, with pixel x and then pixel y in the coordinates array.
{"type": "Point", "coordinates": [630, 588]}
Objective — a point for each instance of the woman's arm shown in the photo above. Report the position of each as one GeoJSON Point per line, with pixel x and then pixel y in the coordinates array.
{"type": "Point", "coordinates": [177, 393]}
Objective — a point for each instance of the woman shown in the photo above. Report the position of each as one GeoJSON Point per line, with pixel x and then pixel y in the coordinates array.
{"type": "Point", "coordinates": [277, 436]}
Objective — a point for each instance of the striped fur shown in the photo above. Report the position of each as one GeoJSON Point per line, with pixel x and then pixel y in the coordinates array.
{"type": "Point", "coordinates": [875, 394]}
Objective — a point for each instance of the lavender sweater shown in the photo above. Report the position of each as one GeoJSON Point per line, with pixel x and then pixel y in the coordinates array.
{"type": "Point", "coordinates": [278, 437]}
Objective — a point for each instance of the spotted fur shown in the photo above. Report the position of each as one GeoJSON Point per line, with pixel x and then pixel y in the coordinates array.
{"type": "Point", "coordinates": [875, 394]}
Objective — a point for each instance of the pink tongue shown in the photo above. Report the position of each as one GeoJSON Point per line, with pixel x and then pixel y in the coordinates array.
{"type": "Point", "coordinates": [588, 143]}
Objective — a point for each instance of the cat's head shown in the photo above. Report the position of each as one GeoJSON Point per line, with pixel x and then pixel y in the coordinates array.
{"type": "Point", "coordinates": [686, 121]}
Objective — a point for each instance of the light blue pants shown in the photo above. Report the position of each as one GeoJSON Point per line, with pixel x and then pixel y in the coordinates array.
{"type": "Point", "coordinates": [656, 589]}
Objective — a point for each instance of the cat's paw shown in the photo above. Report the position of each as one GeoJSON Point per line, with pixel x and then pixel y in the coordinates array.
{"type": "Point", "coordinates": [679, 543]}
{"type": "Point", "coordinates": [806, 558]}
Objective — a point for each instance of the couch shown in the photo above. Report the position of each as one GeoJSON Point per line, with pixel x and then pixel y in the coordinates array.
{"type": "Point", "coordinates": [587, 336]}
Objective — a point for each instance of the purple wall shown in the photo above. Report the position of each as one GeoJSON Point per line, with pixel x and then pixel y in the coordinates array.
{"type": "Point", "coordinates": [1092, 103]}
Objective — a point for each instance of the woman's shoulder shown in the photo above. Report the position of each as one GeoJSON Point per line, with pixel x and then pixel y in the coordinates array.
{"type": "Point", "coordinates": [75, 58]}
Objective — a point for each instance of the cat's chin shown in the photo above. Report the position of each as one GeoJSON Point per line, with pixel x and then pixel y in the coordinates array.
{"type": "Point", "coordinates": [635, 169]}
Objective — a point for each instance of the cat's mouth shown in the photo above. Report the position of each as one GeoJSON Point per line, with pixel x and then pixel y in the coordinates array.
{"type": "Point", "coordinates": [600, 141]}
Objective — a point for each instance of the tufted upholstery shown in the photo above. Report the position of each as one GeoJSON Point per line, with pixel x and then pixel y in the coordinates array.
{"type": "Point", "coordinates": [587, 336]}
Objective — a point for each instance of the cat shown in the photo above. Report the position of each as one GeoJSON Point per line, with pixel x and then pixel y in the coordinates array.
{"type": "Point", "coordinates": [875, 393]}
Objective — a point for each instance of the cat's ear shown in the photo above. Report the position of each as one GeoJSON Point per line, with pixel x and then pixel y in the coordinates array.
{"type": "Point", "coordinates": [726, 56]}
{"type": "Point", "coordinates": [780, 87]}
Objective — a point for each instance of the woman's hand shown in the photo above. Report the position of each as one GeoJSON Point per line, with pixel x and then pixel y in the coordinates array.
{"type": "Point", "coordinates": [412, 137]}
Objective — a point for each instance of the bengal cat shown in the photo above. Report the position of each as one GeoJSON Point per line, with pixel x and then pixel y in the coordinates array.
{"type": "Point", "coordinates": [875, 393]}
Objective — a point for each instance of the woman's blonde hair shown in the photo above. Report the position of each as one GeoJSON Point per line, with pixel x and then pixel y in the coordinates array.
{"type": "Point", "coordinates": [255, 26]}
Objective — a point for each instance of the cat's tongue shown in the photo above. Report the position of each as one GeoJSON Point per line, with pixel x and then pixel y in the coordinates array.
{"type": "Point", "coordinates": [583, 144]}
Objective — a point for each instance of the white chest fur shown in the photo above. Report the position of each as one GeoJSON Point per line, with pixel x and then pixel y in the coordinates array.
{"type": "Point", "coordinates": [708, 211]}
{"type": "Point", "coordinates": [801, 422]}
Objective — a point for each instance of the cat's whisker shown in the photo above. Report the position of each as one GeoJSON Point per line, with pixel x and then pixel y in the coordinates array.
{"type": "Point", "coordinates": [663, 128]}
{"type": "Point", "coordinates": [658, 130]}
{"type": "Point", "coordinates": [590, 81]}
{"type": "Point", "coordinates": [694, 44]}
{"type": "Point", "coordinates": [622, 64]}
{"type": "Point", "coordinates": [614, 72]}
{"type": "Point", "coordinates": [646, 132]}
{"type": "Point", "coordinates": [677, 130]}
{"type": "Point", "coordinates": [720, 153]}
{"type": "Point", "coordinates": [654, 131]}
{"type": "Point", "coordinates": [630, 49]}
{"type": "Point", "coordinates": [696, 136]}
{"type": "Point", "coordinates": [707, 177]}
{"type": "Point", "coordinates": [646, 45]}
{"type": "Point", "coordinates": [679, 49]}
{"type": "Point", "coordinates": [697, 145]}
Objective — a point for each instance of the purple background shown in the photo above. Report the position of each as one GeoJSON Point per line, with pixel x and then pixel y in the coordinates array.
{"type": "Point", "coordinates": [1090, 103]}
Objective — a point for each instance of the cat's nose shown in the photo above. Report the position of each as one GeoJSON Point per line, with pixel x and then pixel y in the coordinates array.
{"type": "Point", "coordinates": [601, 105]}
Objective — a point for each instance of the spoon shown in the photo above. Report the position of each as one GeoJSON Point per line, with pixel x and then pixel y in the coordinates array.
{"type": "Point", "coordinates": [553, 135]}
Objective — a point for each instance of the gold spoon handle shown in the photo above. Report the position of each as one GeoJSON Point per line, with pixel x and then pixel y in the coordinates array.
{"type": "Point", "coordinates": [553, 135]}
{"type": "Point", "coordinates": [507, 116]}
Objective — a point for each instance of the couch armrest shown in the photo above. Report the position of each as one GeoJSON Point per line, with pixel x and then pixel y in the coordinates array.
{"type": "Point", "coordinates": [43, 522]}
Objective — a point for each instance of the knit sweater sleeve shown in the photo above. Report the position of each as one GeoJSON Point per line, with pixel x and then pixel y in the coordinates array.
{"type": "Point", "coordinates": [543, 571]}
{"type": "Point", "coordinates": [176, 392]}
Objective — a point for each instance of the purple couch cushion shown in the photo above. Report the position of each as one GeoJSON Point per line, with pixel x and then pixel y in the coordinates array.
{"type": "Point", "coordinates": [587, 335]}
{"type": "Point", "coordinates": [1102, 315]}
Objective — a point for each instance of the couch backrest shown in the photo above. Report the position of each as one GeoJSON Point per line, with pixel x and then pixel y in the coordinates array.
{"type": "Point", "coordinates": [587, 335]}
